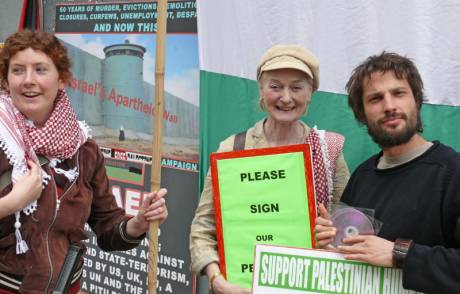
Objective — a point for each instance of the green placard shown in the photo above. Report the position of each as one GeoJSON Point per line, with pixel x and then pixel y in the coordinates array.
{"type": "Point", "coordinates": [287, 270]}
{"type": "Point", "coordinates": [262, 197]}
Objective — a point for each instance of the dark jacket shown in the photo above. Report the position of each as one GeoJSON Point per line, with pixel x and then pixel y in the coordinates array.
{"type": "Point", "coordinates": [52, 227]}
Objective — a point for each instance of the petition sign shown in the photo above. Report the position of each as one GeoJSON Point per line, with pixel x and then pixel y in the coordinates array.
{"type": "Point", "coordinates": [261, 196]}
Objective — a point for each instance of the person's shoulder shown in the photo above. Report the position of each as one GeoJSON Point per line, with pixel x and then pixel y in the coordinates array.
{"type": "Point", "coordinates": [254, 131]}
{"type": "Point", "coordinates": [446, 160]}
{"type": "Point", "coordinates": [445, 154]}
{"type": "Point", "coordinates": [335, 140]}
{"type": "Point", "coordinates": [90, 148]}
{"type": "Point", "coordinates": [90, 144]}
{"type": "Point", "coordinates": [335, 135]}
{"type": "Point", "coordinates": [227, 144]}
{"type": "Point", "coordinates": [331, 138]}
{"type": "Point", "coordinates": [447, 150]}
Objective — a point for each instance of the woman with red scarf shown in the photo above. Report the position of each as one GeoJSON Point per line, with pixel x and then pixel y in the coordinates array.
{"type": "Point", "coordinates": [54, 172]}
{"type": "Point", "coordinates": [288, 75]}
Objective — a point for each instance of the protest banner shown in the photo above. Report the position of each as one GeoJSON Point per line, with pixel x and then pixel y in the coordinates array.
{"type": "Point", "coordinates": [126, 272]}
{"type": "Point", "coordinates": [279, 270]}
{"type": "Point", "coordinates": [112, 89]}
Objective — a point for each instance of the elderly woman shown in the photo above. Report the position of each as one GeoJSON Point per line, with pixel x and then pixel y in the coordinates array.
{"type": "Point", "coordinates": [287, 76]}
{"type": "Point", "coordinates": [54, 173]}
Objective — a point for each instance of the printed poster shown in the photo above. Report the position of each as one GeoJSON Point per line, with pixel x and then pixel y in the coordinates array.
{"type": "Point", "coordinates": [112, 47]}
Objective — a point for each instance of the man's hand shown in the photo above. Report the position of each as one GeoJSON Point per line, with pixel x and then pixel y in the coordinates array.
{"type": "Point", "coordinates": [368, 248]}
{"type": "Point", "coordinates": [324, 230]}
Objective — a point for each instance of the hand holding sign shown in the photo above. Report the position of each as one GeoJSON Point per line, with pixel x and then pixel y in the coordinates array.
{"type": "Point", "coordinates": [221, 286]}
{"type": "Point", "coordinates": [324, 230]}
{"type": "Point", "coordinates": [153, 208]}
{"type": "Point", "coordinates": [368, 248]}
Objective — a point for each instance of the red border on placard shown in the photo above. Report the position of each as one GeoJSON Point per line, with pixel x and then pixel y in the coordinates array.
{"type": "Point", "coordinates": [304, 148]}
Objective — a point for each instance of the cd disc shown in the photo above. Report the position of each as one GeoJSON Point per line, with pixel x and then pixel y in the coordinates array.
{"type": "Point", "coordinates": [350, 222]}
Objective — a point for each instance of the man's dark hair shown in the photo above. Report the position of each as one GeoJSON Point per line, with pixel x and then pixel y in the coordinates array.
{"type": "Point", "coordinates": [401, 66]}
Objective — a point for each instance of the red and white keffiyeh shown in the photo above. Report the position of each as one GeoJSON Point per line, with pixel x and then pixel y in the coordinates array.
{"type": "Point", "coordinates": [326, 148]}
{"type": "Point", "coordinates": [20, 139]}
{"type": "Point", "coordinates": [61, 136]}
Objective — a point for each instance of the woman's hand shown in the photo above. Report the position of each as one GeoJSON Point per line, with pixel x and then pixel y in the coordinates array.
{"type": "Point", "coordinates": [153, 208]}
{"type": "Point", "coordinates": [219, 284]}
{"type": "Point", "coordinates": [28, 188]}
{"type": "Point", "coordinates": [324, 230]}
{"type": "Point", "coordinates": [222, 286]}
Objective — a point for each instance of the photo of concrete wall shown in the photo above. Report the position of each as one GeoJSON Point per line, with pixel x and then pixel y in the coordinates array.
{"type": "Point", "coordinates": [112, 90]}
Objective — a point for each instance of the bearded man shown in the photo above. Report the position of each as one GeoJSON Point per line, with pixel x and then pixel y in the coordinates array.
{"type": "Point", "coordinates": [412, 184]}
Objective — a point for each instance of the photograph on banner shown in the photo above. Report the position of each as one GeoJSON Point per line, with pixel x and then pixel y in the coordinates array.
{"type": "Point", "coordinates": [279, 270]}
{"type": "Point", "coordinates": [261, 196]}
{"type": "Point", "coordinates": [113, 90]}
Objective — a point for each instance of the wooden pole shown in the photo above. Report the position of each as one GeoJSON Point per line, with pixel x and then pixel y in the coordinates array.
{"type": "Point", "coordinates": [157, 137]}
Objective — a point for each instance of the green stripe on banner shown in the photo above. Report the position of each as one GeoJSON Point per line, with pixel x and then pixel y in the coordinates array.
{"type": "Point", "coordinates": [228, 105]}
{"type": "Point", "coordinates": [122, 174]}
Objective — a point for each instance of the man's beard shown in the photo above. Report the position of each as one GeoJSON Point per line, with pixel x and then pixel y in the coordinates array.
{"type": "Point", "coordinates": [390, 138]}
